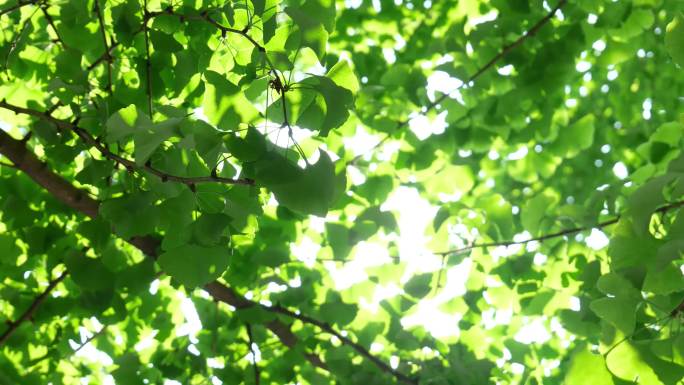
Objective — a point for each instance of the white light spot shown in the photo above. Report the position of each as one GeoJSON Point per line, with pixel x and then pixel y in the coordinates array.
{"type": "Point", "coordinates": [605, 148]}
{"type": "Point", "coordinates": [597, 240]}
{"type": "Point", "coordinates": [353, 4]}
{"type": "Point", "coordinates": [154, 286]}
{"type": "Point", "coordinates": [389, 55]}
{"type": "Point", "coordinates": [612, 75]}
{"type": "Point", "coordinates": [533, 332]}
{"type": "Point", "coordinates": [620, 170]}
{"type": "Point", "coordinates": [394, 360]}
{"type": "Point", "coordinates": [591, 19]}
{"type": "Point", "coordinates": [306, 250]}
{"type": "Point", "coordinates": [444, 83]}
{"type": "Point", "coordinates": [646, 107]}
{"type": "Point", "coordinates": [575, 304]}
{"type": "Point", "coordinates": [505, 70]}
{"type": "Point", "coordinates": [517, 368]}
{"type": "Point", "coordinates": [518, 154]}
{"type": "Point", "coordinates": [540, 259]}
{"type": "Point", "coordinates": [583, 66]}
{"type": "Point", "coordinates": [599, 45]}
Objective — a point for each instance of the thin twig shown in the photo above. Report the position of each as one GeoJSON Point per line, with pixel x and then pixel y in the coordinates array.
{"type": "Point", "coordinates": [504, 51]}
{"type": "Point", "coordinates": [257, 376]}
{"type": "Point", "coordinates": [345, 340]}
{"type": "Point", "coordinates": [148, 63]}
{"type": "Point", "coordinates": [51, 23]}
{"type": "Point", "coordinates": [90, 339]}
{"type": "Point", "coordinates": [107, 55]}
{"type": "Point", "coordinates": [556, 234]}
{"type": "Point", "coordinates": [14, 325]}
{"type": "Point", "coordinates": [17, 6]}
{"type": "Point", "coordinates": [129, 164]}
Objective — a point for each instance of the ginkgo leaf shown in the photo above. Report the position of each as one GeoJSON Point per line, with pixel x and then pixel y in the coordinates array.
{"type": "Point", "coordinates": [194, 265]}
{"type": "Point", "coordinates": [674, 39]}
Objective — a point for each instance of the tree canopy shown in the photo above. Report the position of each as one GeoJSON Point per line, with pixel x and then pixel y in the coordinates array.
{"type": "Point", "coordinates": [341, 192]}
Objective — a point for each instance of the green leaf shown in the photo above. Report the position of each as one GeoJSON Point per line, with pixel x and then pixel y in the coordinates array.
{"type": "Point", "coordinates": [194, 265]}
{"type": "Point", "coordinates": [338, 313]}
{"type": "Point", "coordinates": [248, 149]}
{"type": "Point", "coordinates": [342, 74]}
{"type": "Point", "coordinates": [312, 32]}
{"type": "Point", "coordinates": [88, 273]}
{"type": "Point", "coordinates": [674, 39]}
{"type": "Point", "coordinates": [576, 137]}
{"type": "Point", "coordinates": [224, 103]}
{"type": "Point", "coordinates": [616, 311]}
{"type": "Point", "coordinates": [309, 191]}
{"type": "Point", "coordinates": [419, 285]}
{"type": "Point", "coordinates": [535, 211]}
{"type": "Point", "coordinates": [588, 368]}
{"type": "Point", "coordinates": [148, 137]}
{"type": "Point", "coordinates": [664, 281]}
{"type": "Point", "coordinates": [164, 42]}
{"type": "Point", "coordinates": [9, 251]}
{"type": "Point", "coordinates": [123, 122]}
{"type": "Point", "coordinates": [131, 215]}
{"type": "Point", "coordinates": [329, 108]}
{"type": "Point", "coordinates": [618, 286]}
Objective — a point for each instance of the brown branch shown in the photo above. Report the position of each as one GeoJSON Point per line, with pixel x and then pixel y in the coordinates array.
{"type": "Point", "coordinates": [107, 55]}
{"type": "Point", "coordinates": [560, 233]}
{"type": "Point", "coordinates": [27, 162]}
{"type": "Point", "coordinates": [257, 376]}
{"type": "Point", "coordinates": [150, 245]}
{"type": "Point", "coordinates": [129, 164]}
{"type": "Point", "coordinates": [15, 150]}
{"type": "Point", "coordinates": [14, 325]}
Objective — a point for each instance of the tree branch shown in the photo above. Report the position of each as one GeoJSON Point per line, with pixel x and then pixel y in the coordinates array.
{"type": "Point", "coordinates": [26, 161]}
{"type": "Point", "coordinates": [15, 151]}
{"type": "Point", "coordinates": [86, 137]}
{"type": "Point", "coordinates": [14, 325]}
{"type": "Point", "coordinates": [560, 233]}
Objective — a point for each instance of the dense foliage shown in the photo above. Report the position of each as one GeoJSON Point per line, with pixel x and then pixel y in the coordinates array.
{"type": "Point", "coordinates": [341, 192]}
